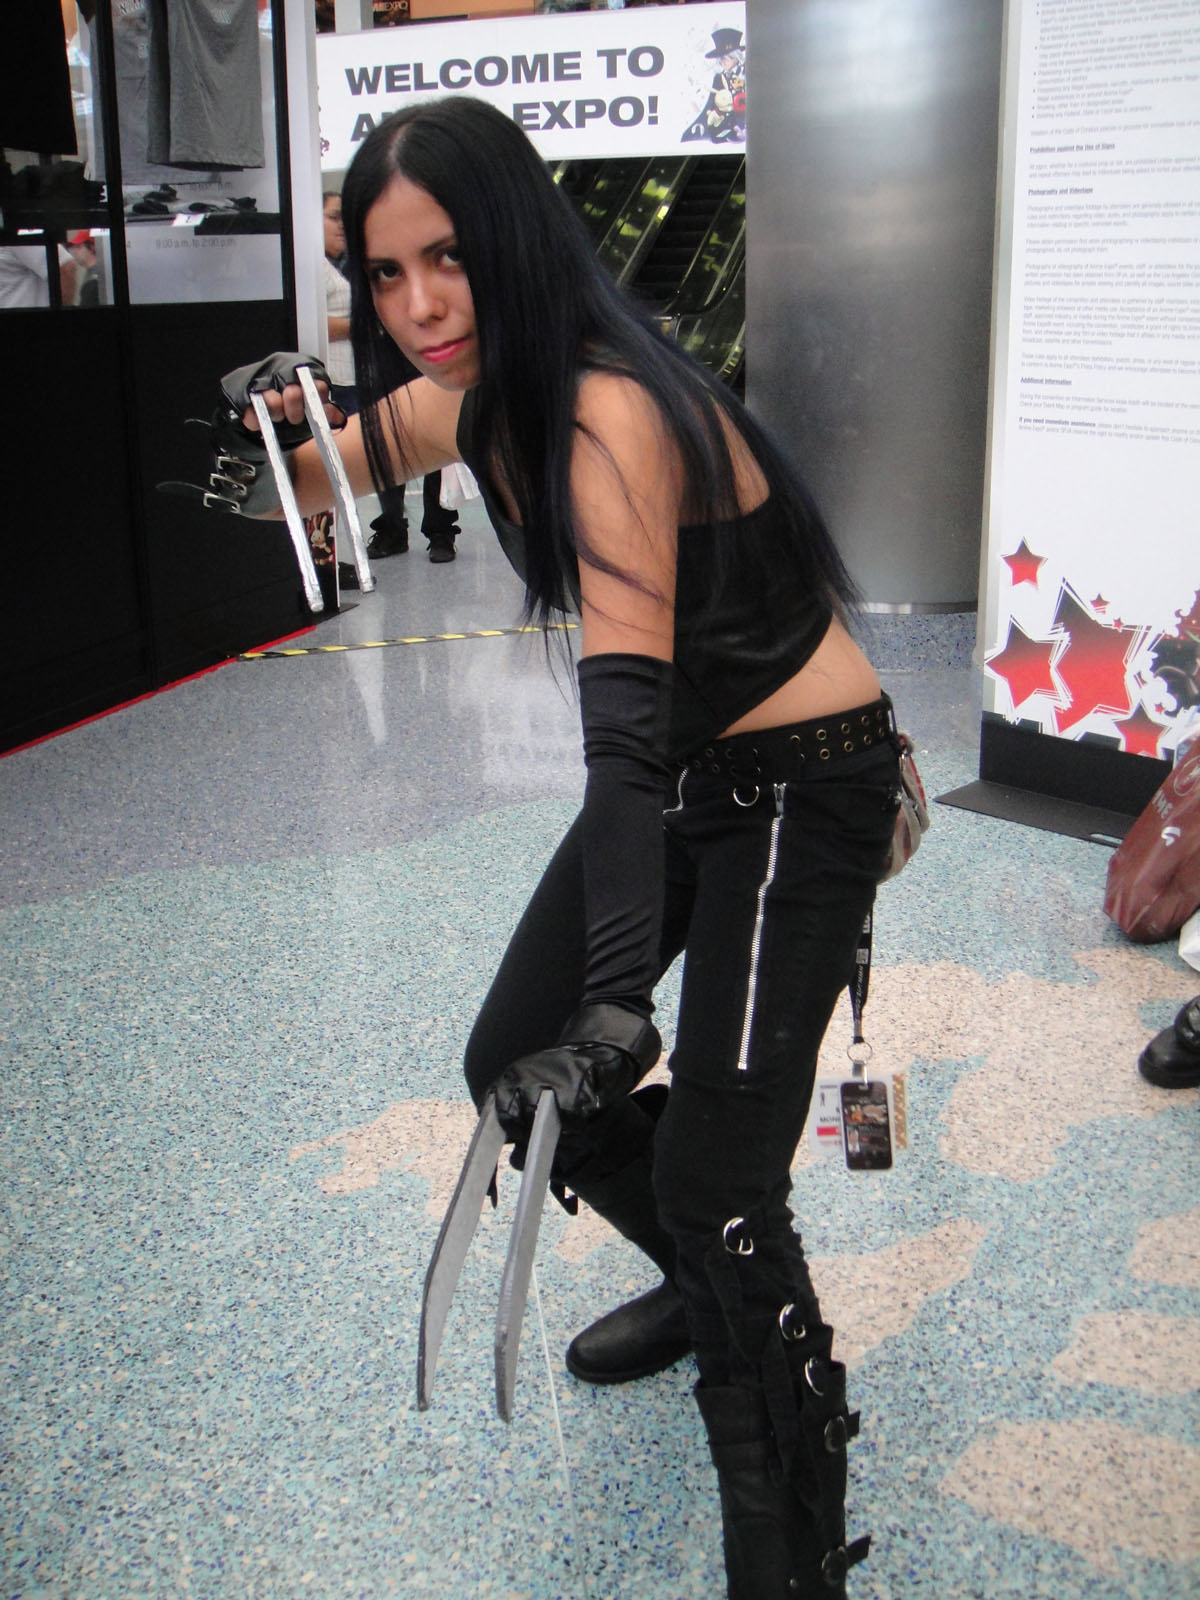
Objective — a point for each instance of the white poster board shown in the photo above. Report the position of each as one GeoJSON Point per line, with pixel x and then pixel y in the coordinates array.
{"type": "Point", "coordinates": [665, 80]}
{"type": "Point", "coordinates": [1091, 577]}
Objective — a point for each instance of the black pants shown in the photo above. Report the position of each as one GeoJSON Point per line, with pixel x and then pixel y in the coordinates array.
{"type": "Point", "coordinates": [436, 519]}
{"type": "Point", "coordinates": [767, 901]}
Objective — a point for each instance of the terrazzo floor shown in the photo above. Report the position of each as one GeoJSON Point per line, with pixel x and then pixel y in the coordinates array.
{"type": "Point", "coordinates": [245, 927]}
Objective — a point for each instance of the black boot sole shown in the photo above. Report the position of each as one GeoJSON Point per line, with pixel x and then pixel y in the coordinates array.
{"type": "Point", "coordinates": [666, 1358]}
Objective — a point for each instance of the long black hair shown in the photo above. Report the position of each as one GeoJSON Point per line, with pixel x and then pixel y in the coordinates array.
{"type": "Point", "coordinates": [544, 310]}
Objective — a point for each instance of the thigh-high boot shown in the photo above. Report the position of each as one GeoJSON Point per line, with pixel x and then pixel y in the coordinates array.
{"type": "Point", "coordinates": [778, 1438]}
{"type": "Point", "coordinates": [650, 1332]}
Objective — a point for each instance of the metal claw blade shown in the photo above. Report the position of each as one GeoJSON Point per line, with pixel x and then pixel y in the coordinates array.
{"type": "Point", "coordinates": [514, 1286]}
{"type": "Point", "coordinates": [291, 511]}
{"type": "Point", "coordinates": [336, 471]}
{"type": "Point", "coordinates": [453, 1242]}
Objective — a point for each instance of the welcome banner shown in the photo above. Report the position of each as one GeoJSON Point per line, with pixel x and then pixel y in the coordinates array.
{"type": "Point", "coordinates": [667, 80]}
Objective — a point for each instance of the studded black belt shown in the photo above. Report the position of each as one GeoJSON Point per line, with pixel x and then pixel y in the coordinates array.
{"type": "Point", "coordinates": [775, 755]}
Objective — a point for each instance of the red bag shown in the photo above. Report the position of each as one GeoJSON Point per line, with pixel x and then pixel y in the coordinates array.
{"type": "Point", "coordinates": [1154, 876]}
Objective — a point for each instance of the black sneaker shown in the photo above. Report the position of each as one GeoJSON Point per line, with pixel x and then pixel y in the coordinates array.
{"type": "Point", "coordinates": [441, 547]}
{"type": "Point", "coordinates": [386, 539]}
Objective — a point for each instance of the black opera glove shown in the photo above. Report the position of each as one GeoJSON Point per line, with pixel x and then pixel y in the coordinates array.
{"type": "Point", "coordinates": [603, 1053]}
{"type": "Point", "coordinates": [241, 480]}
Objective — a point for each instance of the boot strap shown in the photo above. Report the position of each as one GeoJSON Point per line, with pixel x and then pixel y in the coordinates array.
{"type": "Point", "coordinates": [838, 1561]}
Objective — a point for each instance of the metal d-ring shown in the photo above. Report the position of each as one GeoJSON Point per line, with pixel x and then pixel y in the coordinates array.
{"type": "Point", "coordinates": [787, 1331]}
{"type": "Point", "coordinates": [753, 800]}
{"type": "Point", "coordinates": [739, 1247]}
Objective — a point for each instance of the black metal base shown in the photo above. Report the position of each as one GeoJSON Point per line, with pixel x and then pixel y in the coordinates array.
{"type": "Point", "coordinates": [1085, 789]}
{"type": "Point", "coordinates": [1043, 811]}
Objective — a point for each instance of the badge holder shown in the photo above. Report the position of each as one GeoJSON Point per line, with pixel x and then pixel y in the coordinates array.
{"type": "Point", "coordinates": [860, 1116]}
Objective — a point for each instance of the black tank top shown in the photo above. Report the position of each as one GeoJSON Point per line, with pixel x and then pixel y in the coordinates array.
{"type": "Point", "coordinates": [729, 655]}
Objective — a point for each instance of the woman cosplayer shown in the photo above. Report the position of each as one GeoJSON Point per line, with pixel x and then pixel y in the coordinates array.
{"type": "Point", "coordinates": [741, 784]}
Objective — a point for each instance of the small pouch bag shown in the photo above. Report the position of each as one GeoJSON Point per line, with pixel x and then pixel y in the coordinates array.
{"type": "Point", "coordinates": [912, 817]}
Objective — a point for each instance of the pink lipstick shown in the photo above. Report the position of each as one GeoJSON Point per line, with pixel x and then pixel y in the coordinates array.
{"type": "Point", "coordinates": [443, 352]}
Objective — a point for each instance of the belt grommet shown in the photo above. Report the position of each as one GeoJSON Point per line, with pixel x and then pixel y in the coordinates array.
{"type": "Point", "coordinates": [866, 738]}
{"type": "Point", "coordinates": [822, 733]}
{"type": "Point", "coordinates": [824, 755]}
{"type": "Point", "coordinates": [848, 747]}
{"type": "Point", "coordinates": [845, 727]}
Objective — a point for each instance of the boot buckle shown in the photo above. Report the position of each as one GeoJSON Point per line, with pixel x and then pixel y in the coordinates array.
{"type": "Point", "coordinates": [836, 1436]}
{"type": "Point", "coordinates": [835, 1567]}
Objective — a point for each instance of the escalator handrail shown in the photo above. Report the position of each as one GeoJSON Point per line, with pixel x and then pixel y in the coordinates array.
{"type": "Point", "coordinates": [624, 263]}
{"type": "Point", "coordinates": [717, 337]}
{"type": "Point", "coordinates": [735, 198]}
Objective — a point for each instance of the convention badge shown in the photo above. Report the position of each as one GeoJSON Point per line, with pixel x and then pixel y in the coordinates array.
{"type": "Point", "coordinates": [825, 1118]}
{"type": "Point", "coordinates": [860, 1119]}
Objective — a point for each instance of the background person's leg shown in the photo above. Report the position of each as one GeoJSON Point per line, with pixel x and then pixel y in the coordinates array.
{"type": "Point", "coordinates": [439, 523]}
{"type": "Point", "coordinates": [389, 530]}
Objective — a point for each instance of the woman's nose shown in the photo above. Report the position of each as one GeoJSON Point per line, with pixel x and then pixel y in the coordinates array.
{"type": "Point", "coordinates": [424, 301]}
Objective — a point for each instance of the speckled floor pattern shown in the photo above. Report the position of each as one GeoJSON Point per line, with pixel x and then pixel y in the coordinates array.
{"type": "Point", "coordinates": [245, 927]}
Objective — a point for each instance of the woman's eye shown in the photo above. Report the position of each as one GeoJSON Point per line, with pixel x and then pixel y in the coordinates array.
{"type": "Point", "coordinates": [452, 257]}
{"type": "Point", "coordinates": [383, 272]}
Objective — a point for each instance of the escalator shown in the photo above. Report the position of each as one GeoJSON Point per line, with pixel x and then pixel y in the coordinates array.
{"type": "Point", "coordinates": [634, 234]}
{"type": "Point", "coordinates": [599, 190]}
{"type": "Point", "coordinates": [703, 196]}
{"type": "Point", "coordinates": [716, 336]}
{"type": "Point", "coordinates": [672, 229]}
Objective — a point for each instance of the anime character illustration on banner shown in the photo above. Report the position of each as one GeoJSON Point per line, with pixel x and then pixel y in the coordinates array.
{"type": "Point", "coordinates": [723, 119]}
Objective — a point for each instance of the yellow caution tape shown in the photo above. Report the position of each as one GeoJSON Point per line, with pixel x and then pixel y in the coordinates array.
{"type": "Point", "coordinates": [425, 638]}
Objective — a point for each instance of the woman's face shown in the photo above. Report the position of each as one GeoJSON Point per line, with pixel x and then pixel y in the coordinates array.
{"type": "Point", "coordinates": [335, 234]}
{"type": "Point", "coordinates": [419, 284]}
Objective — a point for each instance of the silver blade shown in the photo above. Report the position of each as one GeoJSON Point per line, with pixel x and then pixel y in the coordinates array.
{"type": "Point", "coordinates": [458, 1228]}
{"type": "Point", "coordinates": [291, 511]}
{"type": "Point", "coordinates": [336, 471]}
{"type": "Point", "coordinates": [514, 1286]}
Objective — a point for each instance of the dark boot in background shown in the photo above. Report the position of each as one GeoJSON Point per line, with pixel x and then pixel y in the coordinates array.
{"type": "Point", "coordinates": [389, 531]}
{"type": "Point", "coordinates": [1172, 1058]}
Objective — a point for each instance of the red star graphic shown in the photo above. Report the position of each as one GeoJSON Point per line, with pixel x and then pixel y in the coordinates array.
{"type": "Point", "coordinates": [1099, 603]}
{"type": "Point", "coordinates": [1024, 665]}
{"type": "Point", "coordinates": [1023, 565]}
{"type": "Point", "coordinates": [1140, 733]}
{"type": "Point", "coordinates": [1093, 665]}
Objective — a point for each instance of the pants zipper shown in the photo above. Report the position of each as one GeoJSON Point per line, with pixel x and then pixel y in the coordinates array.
{"type": "Point", "coordinates": [759, 919]}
